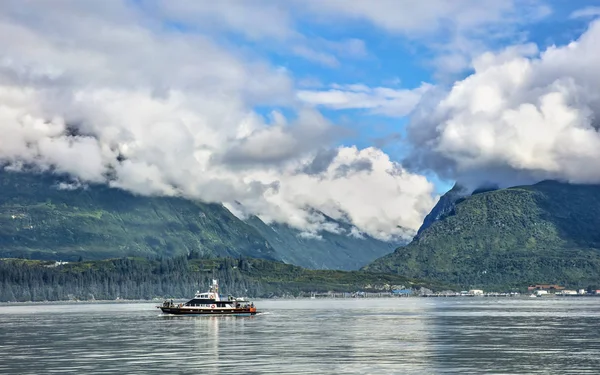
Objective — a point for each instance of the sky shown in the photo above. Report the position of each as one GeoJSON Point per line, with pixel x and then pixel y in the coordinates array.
{"type": "Point", "coordinates": [365, 112]}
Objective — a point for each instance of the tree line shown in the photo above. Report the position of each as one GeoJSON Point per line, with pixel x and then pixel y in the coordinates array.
{"type": "Point", "coordinates": [24, 280]}
{"type": "Point", "coordinates": [180, 277]}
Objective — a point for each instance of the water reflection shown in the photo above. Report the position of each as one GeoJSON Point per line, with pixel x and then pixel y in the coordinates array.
{"type": "Point", "coordinates": [205, 333]}
{"type": "Point", "coordinates": [216, 342]}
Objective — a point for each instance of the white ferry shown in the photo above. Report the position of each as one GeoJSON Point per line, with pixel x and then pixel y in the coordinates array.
{"type": "Point", "coordinates": [210, 303]}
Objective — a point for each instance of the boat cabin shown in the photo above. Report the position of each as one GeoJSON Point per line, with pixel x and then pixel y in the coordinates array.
{"type": "Point", "coordinates": [211, 296]}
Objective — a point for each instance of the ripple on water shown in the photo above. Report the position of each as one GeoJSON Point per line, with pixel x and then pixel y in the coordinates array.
{"type": "Point", "coordinates": [387, 336]}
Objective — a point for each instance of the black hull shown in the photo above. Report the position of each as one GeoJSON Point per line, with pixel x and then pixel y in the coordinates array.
{"type": "Point", "coordinates": [182, 311]}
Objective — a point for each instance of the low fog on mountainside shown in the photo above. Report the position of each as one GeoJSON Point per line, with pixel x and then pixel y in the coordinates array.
{"type": "Point", "coordinates": [41, 220]}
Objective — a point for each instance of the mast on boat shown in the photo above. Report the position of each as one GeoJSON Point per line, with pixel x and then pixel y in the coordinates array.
{"type": "Point", "coordinates": [215, 289]}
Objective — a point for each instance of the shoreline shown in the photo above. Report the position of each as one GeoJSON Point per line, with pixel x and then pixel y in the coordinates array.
{"type": "Point", "coordinates": [141, 301]}
{"type": "Point", "coordinates": [73, 302]}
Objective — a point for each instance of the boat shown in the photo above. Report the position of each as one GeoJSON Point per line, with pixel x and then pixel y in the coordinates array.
{"type": "Point", "coordinates": [210, 303]}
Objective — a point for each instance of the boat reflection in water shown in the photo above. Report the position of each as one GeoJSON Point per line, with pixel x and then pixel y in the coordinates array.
{"type": "Point", "coordinates": [210, 303]}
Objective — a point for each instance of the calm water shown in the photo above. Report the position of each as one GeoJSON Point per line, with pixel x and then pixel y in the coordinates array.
{"type": "Point", "coordinates": [377, 336]}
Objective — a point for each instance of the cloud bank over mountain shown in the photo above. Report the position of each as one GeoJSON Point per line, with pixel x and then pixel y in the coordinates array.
{"type": "Point", "coordinates": [524, 115]}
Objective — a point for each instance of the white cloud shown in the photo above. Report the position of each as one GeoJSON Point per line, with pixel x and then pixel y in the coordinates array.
{"type": "Point", "coordinates": [356, 233]}
{"type": "Point", "coordinates": [413, 16]}
{"type": "Point", "coordinates": [521, 117]}
{"type": "Point", "coordinates": [586, 12]}
{"type": "Point", "coordinates": [311, 54]}
{"type": "Point", "coordinates": [348, 48]}
{"type": "Point", "coordinates": [109, 93]}
{"type": "Point", "coordinates": [309, 82]}
{"type": "Point", "coordinates": [379, 197]}
{"type": "Point", "coordinates": [326, 52]}
{"type": "Point", "coordinates": [74, 185]}
{"type": "Point", "coordinates": [254, 19]}
{"type": "Point", "coordinates": [378, 100]}
{"type": "Point", "coordinates": [280, 142]}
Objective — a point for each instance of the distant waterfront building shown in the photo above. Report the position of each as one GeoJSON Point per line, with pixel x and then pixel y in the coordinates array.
{"type": "Point", "coordinates": [476, 292]}
{"type": "Point", "coordinates": [568, 292]}
{"type": "Point", "coordinates": [57, 263]}
{"type": "Point", "coordinates": [548, 287]}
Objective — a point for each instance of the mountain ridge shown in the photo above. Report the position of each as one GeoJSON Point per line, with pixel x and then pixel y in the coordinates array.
{"type": "Point", "coordinates": [444, 206]}
{"type": "Point", "coordinates": [541, 233]}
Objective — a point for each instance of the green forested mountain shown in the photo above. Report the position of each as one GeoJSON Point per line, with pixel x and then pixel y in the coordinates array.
{"type": "Point", "coordinates": [180, 277]}
{"type": "Point", "coordinates": [544, 233]}
{"type": "Point", "coordinates": [331, 251]}
{"type": "Point", "coordinates": [40, 221]}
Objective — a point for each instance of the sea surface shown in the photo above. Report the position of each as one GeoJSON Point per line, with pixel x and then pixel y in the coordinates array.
{"type": "Point", "coordinates": [323, 336]}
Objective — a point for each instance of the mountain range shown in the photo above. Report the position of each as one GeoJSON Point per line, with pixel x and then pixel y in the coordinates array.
{"type": "Point", "coordinates": [46, 216]}
{"type": "Point", "coordinates": [493, 238]}
{"type": "Point", "coordinates": [507, 238]}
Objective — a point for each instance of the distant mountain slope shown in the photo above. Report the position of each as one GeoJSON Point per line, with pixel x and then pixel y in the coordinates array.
{"type": "Point", "coordinates": [332, 251]}
{"type": "Point", "coordinates": [39, 220]}
{"type": "Point", "coordinates": [547, 232]}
